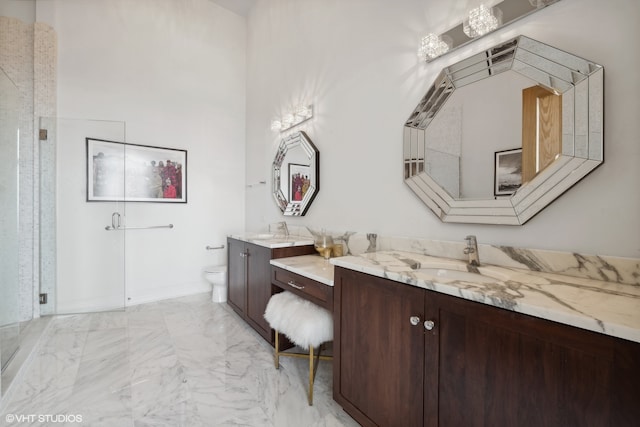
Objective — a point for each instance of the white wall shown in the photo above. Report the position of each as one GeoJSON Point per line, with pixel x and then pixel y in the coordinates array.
{"type": "Point", "coordinates": [356, 62]}
{"type": "Point", "coordinates": [24, 10]}
{"type": "Point", "coordinates": [174, 72]}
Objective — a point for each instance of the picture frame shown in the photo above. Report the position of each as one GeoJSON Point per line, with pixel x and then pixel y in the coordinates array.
{"type": "Point", "coordinates": [122, 172]}
{"type": "Point", "coordinates": [299, 182]}
{"type": "Point", "coordinates": [508, 172]}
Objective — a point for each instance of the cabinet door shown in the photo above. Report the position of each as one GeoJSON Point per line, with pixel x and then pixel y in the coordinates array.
{"type": "Point", "coordinates": [379, 354]}
{"type": "Point", "coordinates": [236, 279]}
{"type": "Point", "coordinates": [258, 288]}
{"type": "Point", "coordinates": [500, 368]}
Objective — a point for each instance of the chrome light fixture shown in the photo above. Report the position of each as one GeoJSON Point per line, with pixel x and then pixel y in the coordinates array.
{"type": "Point", "coordinates": [540, 3]}
{"type": "Point", "coordinates": [477, 22]}
{"type": "Point", "coordinates": [482, 20]}
{"type": "Point", "coordinates": [303, 113]}
{"type": "Point", "coordinates": [433, 46]}
{"type": "Point", "coordinates": [291, 119]}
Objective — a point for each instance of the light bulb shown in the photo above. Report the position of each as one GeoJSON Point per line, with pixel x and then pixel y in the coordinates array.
{"type": "Point", "coordinates": [432, 46]}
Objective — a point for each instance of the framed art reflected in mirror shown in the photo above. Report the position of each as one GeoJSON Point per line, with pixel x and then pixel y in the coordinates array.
{"type": "Point", "coordinates": [299, 182]}
{"type": "Point", "coordinates": [508, 172]}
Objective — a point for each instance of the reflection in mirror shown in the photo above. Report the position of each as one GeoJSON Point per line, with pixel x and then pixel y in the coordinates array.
{"type": "Point", "coordinates": [296, 170]}
{"type": "Point", "coordinates": [539, 99]}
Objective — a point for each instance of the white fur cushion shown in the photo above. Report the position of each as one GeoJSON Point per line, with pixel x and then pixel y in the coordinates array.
{"type": "Point", "coordinates": [302, 321]}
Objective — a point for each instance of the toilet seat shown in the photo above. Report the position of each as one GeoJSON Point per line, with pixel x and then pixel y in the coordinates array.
{"type": "Point", "coordinates": [216, 269]}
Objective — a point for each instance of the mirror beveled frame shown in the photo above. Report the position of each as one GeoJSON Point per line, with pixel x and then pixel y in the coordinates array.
{"type": "Point", "coordinates": [295, 140]}
{"type": "Point", "coordinates": [581, 84]}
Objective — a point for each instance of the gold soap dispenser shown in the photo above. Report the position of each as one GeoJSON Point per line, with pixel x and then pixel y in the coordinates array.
{"type": "Point", "coordinates": [338, 249]}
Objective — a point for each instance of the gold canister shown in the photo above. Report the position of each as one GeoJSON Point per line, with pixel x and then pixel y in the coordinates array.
{"type": "Point", "coordinates": [337, 249]}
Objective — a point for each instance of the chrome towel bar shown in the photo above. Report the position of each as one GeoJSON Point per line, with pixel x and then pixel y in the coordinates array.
{"type": "Point", "coordinates": [118, 228]}
{"type": "Point", "coordinates": [210, 248]}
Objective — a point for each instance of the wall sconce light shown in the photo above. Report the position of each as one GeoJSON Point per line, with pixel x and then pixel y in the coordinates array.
{"type": "Point", "coordinates": [478, 22]}
{"type": "Point", "coordinates": [433, 45]}
{"type": "Point", "coordinates": [289, 120]}
{"type": "Point", "coordinates": [540, 3]}
{"type": "Point", "coordinates": [482, 20]}
{"type": "Point", "coordinates": [303, 112]}
{"type": "Point", "coordinates": [276, 125]}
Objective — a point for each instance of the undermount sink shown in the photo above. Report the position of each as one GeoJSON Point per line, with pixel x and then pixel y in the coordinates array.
{"type": "Point", "coordinates": [264, 236]}
{"type": "Point", "coordinates": [452, 272]}
{"type": "Point", "coordinates": [451, 275]}
{"type": "Point", "coordinates": [453, 265]}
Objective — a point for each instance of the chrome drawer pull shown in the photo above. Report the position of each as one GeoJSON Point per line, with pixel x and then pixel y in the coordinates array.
{"type": "Point", "coordinates": [293, 285]}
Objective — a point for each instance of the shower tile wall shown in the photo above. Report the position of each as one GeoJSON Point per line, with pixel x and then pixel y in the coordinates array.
{"type": "Point", "coordinates": [17, 62]}
{"type": "Point", "coordinates": [28, 57]}
{"type": "Point", "coordinates": [45, 77]}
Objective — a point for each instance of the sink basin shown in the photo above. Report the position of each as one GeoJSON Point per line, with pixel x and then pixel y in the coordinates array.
{"type": "Point", "coordinates": [263, 236]}
{"type": "Point", "coordinates": [444, 265]}
{"type": "Point", "coordinates": [456, 274]}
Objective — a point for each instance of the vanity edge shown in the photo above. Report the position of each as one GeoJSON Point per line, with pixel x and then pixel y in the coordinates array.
{"type": "Point", "coordinates": [273, 241]}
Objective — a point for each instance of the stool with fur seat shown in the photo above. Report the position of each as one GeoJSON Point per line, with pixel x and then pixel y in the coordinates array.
{"type": "Point", "coordinates": [305, 324]}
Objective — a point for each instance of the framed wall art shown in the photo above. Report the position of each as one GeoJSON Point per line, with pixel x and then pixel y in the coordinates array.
{"type": "Point", "coordinates": [508, 172]}
{"type": "Point", "coordinates": [118, 171]}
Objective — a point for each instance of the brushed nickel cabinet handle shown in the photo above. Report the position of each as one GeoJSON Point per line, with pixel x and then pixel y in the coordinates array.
{"type": "Point", "coordinates": [293, 285]}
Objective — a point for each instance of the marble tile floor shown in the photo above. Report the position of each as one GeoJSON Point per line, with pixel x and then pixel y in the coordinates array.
{"type": "Point", "coordinates": [181, 362]}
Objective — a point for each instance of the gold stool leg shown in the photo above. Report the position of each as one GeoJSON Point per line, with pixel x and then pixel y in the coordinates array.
{"type": "Point", "coordinates": [276, 354]}
{"type": "Point", "coordinates": [312, 371]}
{"type": "Point", "coordinates": [311, 375]}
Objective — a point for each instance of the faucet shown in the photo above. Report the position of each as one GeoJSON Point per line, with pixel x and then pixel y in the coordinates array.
{"type": "Point", "coordinates": [282, 227]}
{"type": "Point", "coordinates": [372, 238]}
{"type": "Point", "coordinates": [472, 250]}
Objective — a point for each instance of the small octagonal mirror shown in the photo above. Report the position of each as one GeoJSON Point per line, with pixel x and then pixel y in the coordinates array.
{"type": "Point", "coordinates": [296, 170]}
{"type": "Point", "coordinates": [503, 133]}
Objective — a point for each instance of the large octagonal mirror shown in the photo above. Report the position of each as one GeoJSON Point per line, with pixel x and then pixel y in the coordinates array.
{"type": "Point", "coordinates": [503, 133]}
{"type": "Point", "coordinates": [296, 170]}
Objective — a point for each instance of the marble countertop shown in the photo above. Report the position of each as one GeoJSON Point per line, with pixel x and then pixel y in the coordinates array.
{"type": "Point", "coordinates": [273, 241]}
{"type": "Point", "coordinates": [604, 307]}
{"type": "Point", "coordinates": [312, 266]}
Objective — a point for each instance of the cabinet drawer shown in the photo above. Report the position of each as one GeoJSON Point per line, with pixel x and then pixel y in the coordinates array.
{"type": "Point", "coordinates": [316, 292]}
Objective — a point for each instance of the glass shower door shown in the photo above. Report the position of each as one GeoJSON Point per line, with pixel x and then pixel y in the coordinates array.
{"type": "Point", "coordinates": [89, 244]}
{"type": "Point", "coordinates": [10, 315]}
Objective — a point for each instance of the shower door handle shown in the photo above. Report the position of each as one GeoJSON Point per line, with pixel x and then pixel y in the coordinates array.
{"type": "Point", "coordinates": [115, 222]}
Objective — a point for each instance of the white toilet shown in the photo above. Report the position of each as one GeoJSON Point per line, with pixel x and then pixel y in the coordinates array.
{"type": "Point", "coordinates": [217, 276]}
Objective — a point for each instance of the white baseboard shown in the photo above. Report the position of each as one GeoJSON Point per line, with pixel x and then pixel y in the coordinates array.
{"type": "Point", "coordinates": [90, 305]}
{"type": "Point", "coordinates": [134, 297]}
{"type": "Point", "coordinates": [167, 292]}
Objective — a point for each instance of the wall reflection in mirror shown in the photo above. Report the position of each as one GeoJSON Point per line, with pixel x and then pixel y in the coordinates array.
{"type": "Point", "coordinates": [520, 94]}
{"type": "Point", "coordinates": [296, 169]}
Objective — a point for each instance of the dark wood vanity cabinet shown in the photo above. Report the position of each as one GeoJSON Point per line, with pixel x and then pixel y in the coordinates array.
{"type": "Point", "coordinates": [478, 366]}
{"type": "Point", "coordinates": [249, 280]}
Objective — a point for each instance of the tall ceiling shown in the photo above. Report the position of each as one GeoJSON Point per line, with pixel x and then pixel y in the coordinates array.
{"type": "Point", "coordinates": [241, 7]}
